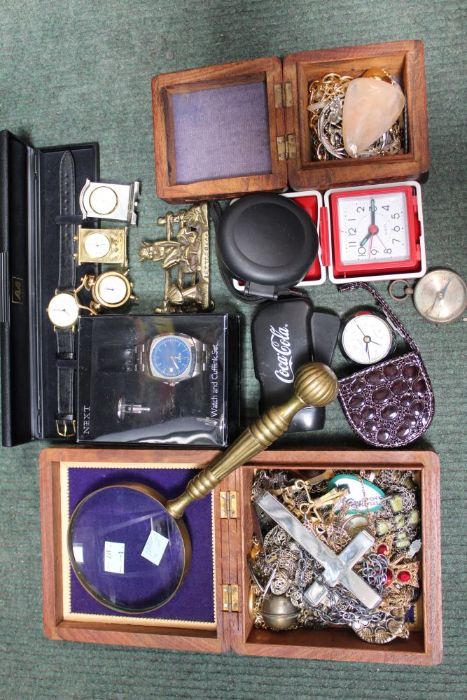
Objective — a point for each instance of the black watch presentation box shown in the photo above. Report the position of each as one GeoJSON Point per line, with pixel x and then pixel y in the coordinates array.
{"type": "Point", "coordinates": [32, 361]}
{"type": "Point", "coordinates": [167, 379]}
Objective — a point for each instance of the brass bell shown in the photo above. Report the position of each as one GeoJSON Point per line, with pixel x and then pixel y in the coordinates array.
{"type": "Point", "coordinates": [279, 613]}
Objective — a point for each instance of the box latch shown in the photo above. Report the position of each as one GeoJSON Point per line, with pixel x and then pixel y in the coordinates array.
{"type": "Point", "coordinates": [228, 501]}
{"type": "Point", "coordinates": [283, 95]}
{"type": "Point", "coordinates": [286, 147]}
{"type": "Point", "coordinates": [230, 597]}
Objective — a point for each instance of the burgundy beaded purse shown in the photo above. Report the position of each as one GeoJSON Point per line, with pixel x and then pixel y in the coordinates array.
{"type": "Point", "coordinates": [390, 403]}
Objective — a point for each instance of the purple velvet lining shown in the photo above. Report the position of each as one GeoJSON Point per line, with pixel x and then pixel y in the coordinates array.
{"type": "Point", "coordinates": [194, 601]}
{"type": "Point", "coordinates": [221, 132]}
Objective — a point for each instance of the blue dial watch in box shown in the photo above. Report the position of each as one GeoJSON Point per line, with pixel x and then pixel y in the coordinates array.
{"type": "Point", "coordinates": [172, 358]}
{"type": "Point", "coordinates": [168, 357]}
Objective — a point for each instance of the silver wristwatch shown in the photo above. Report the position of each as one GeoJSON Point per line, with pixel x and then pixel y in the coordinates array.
{"type": "Point", "coordinates": [172, 357]}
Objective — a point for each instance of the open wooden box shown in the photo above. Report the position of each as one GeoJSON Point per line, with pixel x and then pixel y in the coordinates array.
{"type": "Point", "coordinates": [232, 524]}
{"type": "Point", "coordinates": [232, 129]}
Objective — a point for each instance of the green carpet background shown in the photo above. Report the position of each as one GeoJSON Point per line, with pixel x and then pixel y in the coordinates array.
{"type": "Point", "coordinates": [80, 71]}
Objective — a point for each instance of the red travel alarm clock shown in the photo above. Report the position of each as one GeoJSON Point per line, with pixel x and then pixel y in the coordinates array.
{"type": "Point", "coordinates": [367, 233]}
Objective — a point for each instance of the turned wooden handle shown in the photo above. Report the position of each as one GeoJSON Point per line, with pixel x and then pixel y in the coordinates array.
{"type": "Point", "coordinates": [315, 385]}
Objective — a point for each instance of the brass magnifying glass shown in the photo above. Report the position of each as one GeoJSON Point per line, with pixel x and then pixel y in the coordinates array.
{"type": "Point", "coordinates": [130, 548]}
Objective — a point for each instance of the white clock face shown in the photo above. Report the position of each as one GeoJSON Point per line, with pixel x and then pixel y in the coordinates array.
{"type": "Point", "coordinates": [63, 310]}
{"type": "Point", "coordinates": [112, 289]}
{"type": "Point", "coordinates": [97, 245]}
{"type": "Point", "coordinates": [373, 228]}
{"type": "Point", "coordinates": [103, 200]}
{"type": "Point", "coordinates": [366, 338]}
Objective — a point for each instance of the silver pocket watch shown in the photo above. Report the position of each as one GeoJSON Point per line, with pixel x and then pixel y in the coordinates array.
{"type": "Point", "coordinates": [440, 296]}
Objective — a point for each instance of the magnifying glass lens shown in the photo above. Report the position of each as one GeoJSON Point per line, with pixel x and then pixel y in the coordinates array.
{"type": "Point", "coordinates": [126, 550]}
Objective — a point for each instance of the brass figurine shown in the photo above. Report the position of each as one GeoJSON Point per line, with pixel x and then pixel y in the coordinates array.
{"type": "Point", "coordinates": [184, 256]}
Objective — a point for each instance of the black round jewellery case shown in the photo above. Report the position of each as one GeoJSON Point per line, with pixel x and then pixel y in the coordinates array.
{"type": "Point", "coordinates": [268, 241]}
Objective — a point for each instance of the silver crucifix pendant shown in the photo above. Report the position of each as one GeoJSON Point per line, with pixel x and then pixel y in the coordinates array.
{"type": "Point", "coordinates": [337, 567]}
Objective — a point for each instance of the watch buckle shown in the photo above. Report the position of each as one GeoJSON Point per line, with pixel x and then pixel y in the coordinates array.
{"type": "Point", "coordinates": [62, 427]}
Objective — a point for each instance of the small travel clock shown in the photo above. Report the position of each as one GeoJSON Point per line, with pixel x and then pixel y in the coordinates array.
{"type": "Point", "coordinates": [376, 230]}
{"type": "Point", "coordinates": [110, 290]}
{"type": "Point", "coordinates": [110, 201]}
{"type": "Point", "coordinates": [102, 245]}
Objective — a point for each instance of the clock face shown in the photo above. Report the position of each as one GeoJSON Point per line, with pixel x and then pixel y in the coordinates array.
{"type": "Point", "coordinates": [63, 310]}
{"type": "Point", "coordinates": [366, 338]}
{"type": "Point", "coordinates": [103, 200]}
{"type": "Point", "coordinates": [96, 245]}
{"type": "Point", "coordinates": [170, 356]}
{"type": "Point", "coordinates": [112, 289]}
{"type": "Point", "coordinates": [373, 228]}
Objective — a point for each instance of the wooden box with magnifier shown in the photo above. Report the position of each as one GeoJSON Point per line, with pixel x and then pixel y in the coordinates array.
{"type": "Point", "coordinates": [214, 605]}
{"type": "Point", "coordinates": [305, 122]}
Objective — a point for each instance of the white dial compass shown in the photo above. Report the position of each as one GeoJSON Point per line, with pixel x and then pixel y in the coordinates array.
{"type": "Point", "coordinates": [366, 338]}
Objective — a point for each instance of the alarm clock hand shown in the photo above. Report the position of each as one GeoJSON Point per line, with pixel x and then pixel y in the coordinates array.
{"type": "Point", "coordinates": [364, 240]}
{"type": "Point", "coordinates": [373, 229]}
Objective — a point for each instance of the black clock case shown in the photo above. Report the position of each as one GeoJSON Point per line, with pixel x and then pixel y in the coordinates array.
{"type": "Point", "coordinates": [29, 265]}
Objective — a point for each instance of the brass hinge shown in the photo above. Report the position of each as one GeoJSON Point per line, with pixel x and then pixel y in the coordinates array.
{"type": "Point", "coordinates": [230, 597]}
{"type": "Point", "coordinates": [229, 504]}
{"type": "Point", "coordinates": [286, 147]}
{"type": "Point", "coordinates": [283, 95]}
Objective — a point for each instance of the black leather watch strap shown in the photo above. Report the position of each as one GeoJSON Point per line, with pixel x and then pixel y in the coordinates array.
{"type": "Point", "coordinates": [65, 358]}
{"type": "Point", "coordinates": [66, 263]}
{"type": "Point", "coordinates": [65, 343]}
